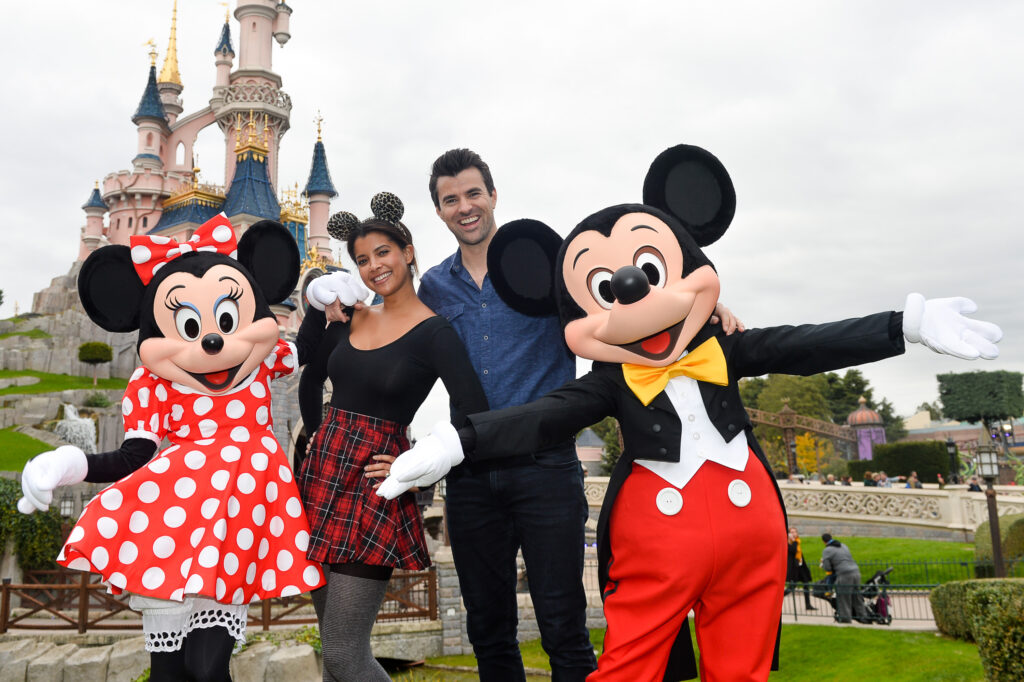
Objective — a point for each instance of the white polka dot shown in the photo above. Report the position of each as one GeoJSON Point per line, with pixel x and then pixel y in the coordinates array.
{"type": "Point", "coordinates": [269, 579]}
{"type": "Point", "coordinates": [288, 361]}
{"type": "Point", "coordinates": [262, 414]}
{"type": "Point", "coordinates": [158, 266]}
{"type": "Point", "coordinates": [152, 578]}
{"type": "Point", "coordinates": [77, 533]}
{"type": "Point", "coordinates": [209, 556]}
{"type": "Point", "coordinates": [238, 597]}
{"type": "Point", "coordinates": [141, 254]}
{"type": "Point", "coordinates": [269, 443]}
{"type": "Point", "coordinates": [290, 591]}
{"type": "Point", "coordinates": [284, 560]}
{"type": "Point", "coordinates": [285, 473]}
{"type": "Point", "coordinates": [207, 428]}
{"type": "Point", "coordinates": [302, 541]}
{"type": "Point", "coordinates": [209, 507]}
{"type": "Point", "coordinates": [233, 507]}
{"type": "Point", "coordinates": [137, 374]}
{"type": "Point", "coordinates": [230, 563]}
{"type": "Point", "coordinates": [222, 588]}
{"type": "Point", "coordinates": [271, 491]}
{"type": "Point", "coordinates": [257, 389]}
{"type": "Point", "coordinates": [159, 465]}
{"type": "Point", "coordinates": [112, 499]}
{"type": "Point", "coordinates": [197, 536]}
{"type": "Point", "coordinates": [163, 546]}
{"type": "Point", "coordinates": [220, 529]}
{"type": "Point", "coordinates": [264, 548]}
{"type": "Point", "coordinates": [161, 392]}
{"type": "Point", "coordinates": [222, 233]}
{"type": "Point", "coordinates": [294, 508]}
{"type": "Point", "coordinates": [184, 487]}
{"type": "Point", "coordinates": [259, 514]}
{"type": "Point", "coordinates": [195, 460]}
{"type": "Point", "coordinates": [128, 553]}
{"type": "Point", "coordinates": [149, 491]}
{"type": "Point", "coordinates": [159, 239]}
{"type": "Point", "coordinates": [230, 453]}
{"type": "Point", "coordinates": [235, 409]}
{"type": "Point", "coordinates": [118, 580]}
{"type": "Point", "coordinates": [80, 564]}
{"type": "Point", "coordinates": [186, 565]}
{"type": "Point", "coordinates": [260, 461]}
{"type": "Point", "coordinates": [143, 397]}
{"type": "Point", "coordinates": [276, 526]}
{"type": "Point", "coordinates": [220, 479]}
{"type": "Point", "coordinates": [271, 361]}
{"type": "Point", "coordinates": [205, 441]}
{"type": "Point", "coordinates": [138, 522]}
{"type": "Point", "coordinates": [182, 432]}
{"type": "Point", "coordinates": [311, 575]}
{"type": "Point", "coordinates": [99, 558]}
{"type": "Point", "coordinates": [177, 411]}
{"type": "Point", "coordinates": [174, 517]}
{"type": "Point", "coordinates": [244, 539]}
{"type": "Point", "coordinates": [194, 584]}
{"type": "Point", "coordinates": [178, 594]}
{"type": "Point", "coordinates": [240, 434]}
{"type": "Point", "coordinates": [127, 406]}
{"type": "Point", "coordinates": [246, 483]}
{"type": "Point", "coordinates": [107, 527]}
{"type": "Point", "coordinates": [250, 573]}
{"type": "Point", "coordinates": [202, 405]}
{"type": "Point", "coordinates": [154, 423]}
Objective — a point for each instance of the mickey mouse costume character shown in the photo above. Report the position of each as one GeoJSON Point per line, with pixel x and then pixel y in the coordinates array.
{"type": "Point", "coordinates": [692, 518]}
{"type": "Point", "coordinates": [214, 521]}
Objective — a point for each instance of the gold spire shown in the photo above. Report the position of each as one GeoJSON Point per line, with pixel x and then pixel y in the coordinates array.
{"type": "Point", "coordinates": [253, 142]}
{"type": "Point", "coordinates": [169, 74]}
{"type": "Point", "coordinates": [227, 11]}
{"type": "Point", "coordinates": [151, 44]}
{"type": "Point", "coordinates": [319, 120]}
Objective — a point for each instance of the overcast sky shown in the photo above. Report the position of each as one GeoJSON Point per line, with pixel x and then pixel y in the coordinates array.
{"type": "Point", "coordinates": [876, 147]}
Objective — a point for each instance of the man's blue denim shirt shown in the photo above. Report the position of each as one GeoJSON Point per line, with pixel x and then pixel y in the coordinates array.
{"type": "Point", "coordinates": [517, 357]}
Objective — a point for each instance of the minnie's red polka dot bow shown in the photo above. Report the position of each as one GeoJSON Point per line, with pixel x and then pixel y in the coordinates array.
{"type": "Point", "coordinates": [150, 253]}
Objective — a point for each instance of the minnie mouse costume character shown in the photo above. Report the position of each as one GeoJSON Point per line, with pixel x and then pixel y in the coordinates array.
{"type": "Point", "coordinates": [692, 518]}
{"type": "Point", "coordinates": [214, 521]}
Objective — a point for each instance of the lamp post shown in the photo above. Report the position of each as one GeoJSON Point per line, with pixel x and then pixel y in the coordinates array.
{"type": "Point", "coordinates": [954, 470]}
{"type": "Point", "coordinates": [988, 467]}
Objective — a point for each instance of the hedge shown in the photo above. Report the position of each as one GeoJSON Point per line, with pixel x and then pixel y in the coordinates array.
{"type": "Point", "coordinates": [995, 610]}
{"type": "Point", "coordinates": [1011, 534]}
{"type": "Point", "coordinates": [37, 537]}
{"type": "Point", "coordinates": [927, 458]}
{"type": "Point", "coordinates": [948, 608]}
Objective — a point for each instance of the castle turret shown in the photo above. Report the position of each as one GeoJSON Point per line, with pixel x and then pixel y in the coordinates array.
{"type": "Point", "coordinates": [92, 233]}
{"type": "Point", "coordinates": [869, 427]}
{"type": "Point", "coordinates": [281, 24]}
{"type": "Point", "coordinates": [319, 192]}
{"type": "Point", "coordinates": [251, 196]}
{"type": "Point", "coordinates": [225, 56]}
{"type": "Point", "coordinates": [169, 82]}
{"type": "Point", "coordinates": [151, 121]}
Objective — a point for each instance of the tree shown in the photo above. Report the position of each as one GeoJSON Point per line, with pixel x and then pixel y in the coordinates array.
{"type": "Point", "coordinates": [608, 431]}
{"type": "Point", "coordinates": [805, 395]}
{"type": "Point", "coordinates": [844, 393]}
{"type": "Point", "coordinates": [892, 422]}
{"type": "Point", "coordinates": [95, 353]}
{"type": "Point", "coordinates": [933, 410]}
{"type": "Point", "coordinates": [984, 397]}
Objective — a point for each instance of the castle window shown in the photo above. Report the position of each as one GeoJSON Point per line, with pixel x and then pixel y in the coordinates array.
{"type": "Point", "coordinates": [129, 223]}
{"type": "Point", "coordinates": [145, 222]}
{"type": "Point", "coordinates": [149, 140]}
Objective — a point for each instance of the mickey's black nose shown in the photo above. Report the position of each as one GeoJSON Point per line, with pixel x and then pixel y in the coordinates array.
{"type": "Point", "coordinates": [629, 284]}
{"type": "Point", "coordinates": [213, 343]}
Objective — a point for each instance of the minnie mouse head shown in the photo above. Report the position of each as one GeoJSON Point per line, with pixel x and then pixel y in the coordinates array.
{"type": "Point", "coordinates": [630, 282]}
{"type": "Point", "coordinates": [201, 306]}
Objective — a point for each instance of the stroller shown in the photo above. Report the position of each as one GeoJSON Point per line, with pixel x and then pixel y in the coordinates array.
{"type": "Point", "coordinates": [875, 596]}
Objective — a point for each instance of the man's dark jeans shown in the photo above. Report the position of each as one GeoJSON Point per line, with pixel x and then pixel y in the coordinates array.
{"type": "Point", "coordinates": [540, 507]}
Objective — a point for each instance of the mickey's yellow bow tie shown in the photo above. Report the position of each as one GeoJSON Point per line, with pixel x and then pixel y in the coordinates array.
{"type": "Point", "coordinates": [704, 363]}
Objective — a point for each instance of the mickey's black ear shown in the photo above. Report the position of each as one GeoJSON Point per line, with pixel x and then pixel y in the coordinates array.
{"type": "Point", "coordinates": [269, 252]}
{"type": "Point", "coordinates": [692, 185]}
{"type": "Point", "coordinates": [521, 264]}
{"type": "Point", "coordinates": [110, 289]}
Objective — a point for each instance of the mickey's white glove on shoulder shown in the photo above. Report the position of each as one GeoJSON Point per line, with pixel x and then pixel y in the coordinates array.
{"type": "Point", "coordinates": [939, 324]}
{"type": "Point", "coordinates": [337, 286]}
{"type": "Point", "coordinates": [66, 465]}
{"type": "Point", "coordinates": [426, 463]}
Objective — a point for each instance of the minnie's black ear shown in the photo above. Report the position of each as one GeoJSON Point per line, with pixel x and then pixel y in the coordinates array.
{"type": "Point", "coordinates": [269, 252]}
{"type": "Point", "coordinates": [110, 289]}
{"type": "Point", "coordinates": [692, 185]}
{"type": "Point", "coordinates": [521, 264]}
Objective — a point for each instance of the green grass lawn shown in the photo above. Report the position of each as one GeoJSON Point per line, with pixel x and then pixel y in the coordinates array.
{"type": "Point", "coordinates": [890, 551]}
{"type": "Point", "coordinates": [17, 448]}
{"type": "Point", "coordinates": [52, 383]}
{"type": "Point", "coordinates": [811, 654]}
{"type": "Point", "coordinates": [31, 333]}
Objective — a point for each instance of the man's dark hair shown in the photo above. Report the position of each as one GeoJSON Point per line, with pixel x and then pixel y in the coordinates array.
{"type": "Point", "coordinates": [453, 162]}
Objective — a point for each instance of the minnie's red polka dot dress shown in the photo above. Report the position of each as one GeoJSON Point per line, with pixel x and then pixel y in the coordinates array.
{"type": "Point", "coordinates": [215, 514]}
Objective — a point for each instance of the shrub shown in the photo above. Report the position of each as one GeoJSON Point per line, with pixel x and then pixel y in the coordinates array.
{"type": "Point", "coordinates": [96, 399]}
{"type": "Point", "coordinates": [995, 610]}
{"type": "Point", "coordinates": [1011, 534]}
{"type": "Point", "coordinates": [855, 468]}
{"type": "Point", "coordinates": [948, 609]}
{"type": "Point", "coordinates": [37, 537]}
{"type": "Point", "coordinates": [927, 458]}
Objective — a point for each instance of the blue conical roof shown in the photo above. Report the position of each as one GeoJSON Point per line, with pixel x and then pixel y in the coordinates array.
{"type": "Point", "coordinates": [319, 176]}
{"type": "Point", "coordinates": [251, 191]}
{"type": "Point", "coordinates": [224, 44]}
{"type": "Point", "coordinates": [150, 105]}
{"type": "Point", "coordinates": [95, 200]}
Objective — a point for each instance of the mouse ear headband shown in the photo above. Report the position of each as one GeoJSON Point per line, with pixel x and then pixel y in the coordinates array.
{"type": "Point", "coordinates": [385, 206]}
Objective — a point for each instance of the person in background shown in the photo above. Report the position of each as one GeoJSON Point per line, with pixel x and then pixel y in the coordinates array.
{"type": "Point", "coordinates": [797, 570]}
{"type": "Point", "coordinates": [883, 480]}
{"type": "Point", "coordinates": [829, 480]}
{"type": "Point", "coordinates": [836, 559]}
{"type": "Point", "coordinates": [973, 486]}
{"type": "Point", "coordinates": [870, 480]}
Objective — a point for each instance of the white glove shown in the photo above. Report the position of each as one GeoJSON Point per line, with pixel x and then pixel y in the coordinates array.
{"type": "Point", "coordinates": [66, 465]}
{"type": "Point", "coordinates": [938, 323]}
{"type": "Point", "coordinates": [426, 463]}
{"type": "Point", "coordinates": [337, 286]}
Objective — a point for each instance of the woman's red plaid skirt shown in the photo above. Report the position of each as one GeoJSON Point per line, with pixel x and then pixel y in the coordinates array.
{"type": "Point", "coordinates": [348, 522]}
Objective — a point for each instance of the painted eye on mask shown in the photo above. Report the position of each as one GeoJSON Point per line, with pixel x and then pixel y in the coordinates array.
{"type": "Point", "coordinates": [649, 260]}
{"type": "Point", "coordinates": [188, 322]}
{"type": "Point", "coordinates": [600, 284]}
{"type": "Point", "coordinates": [226, 314]}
